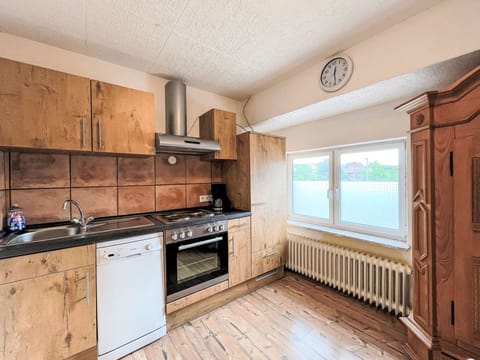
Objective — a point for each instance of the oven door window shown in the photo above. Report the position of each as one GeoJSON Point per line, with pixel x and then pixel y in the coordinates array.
{"type": "Point", "coordinates": [196, 261]}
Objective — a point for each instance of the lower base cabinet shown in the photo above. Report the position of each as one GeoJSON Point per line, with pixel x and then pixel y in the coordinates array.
{"type": "Point", "coordinates": [48, 311]}
{"type": "Point", "coordinates": [239, 251]}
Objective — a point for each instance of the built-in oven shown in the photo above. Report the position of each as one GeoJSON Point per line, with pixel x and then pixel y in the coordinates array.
{"type": "Point", "coordinates": [196, 258]}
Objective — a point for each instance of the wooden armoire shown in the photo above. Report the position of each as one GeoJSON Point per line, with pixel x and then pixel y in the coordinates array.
{"type": "Point", "coordinates": [445, 145]}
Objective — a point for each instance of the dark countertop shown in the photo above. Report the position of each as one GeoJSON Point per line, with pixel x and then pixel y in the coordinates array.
{"type": "Point", "coordinates": [93, 238]}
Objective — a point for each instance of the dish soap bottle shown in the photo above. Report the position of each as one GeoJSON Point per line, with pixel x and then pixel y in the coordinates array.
{"type": "Point", "coordinates": [16, 219]}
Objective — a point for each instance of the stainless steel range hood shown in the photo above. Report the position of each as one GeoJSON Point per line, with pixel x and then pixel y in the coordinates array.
{"type": "Point", "coordinates": [184, 144]}
{"type": "Point", "coordinates": [175, 139]}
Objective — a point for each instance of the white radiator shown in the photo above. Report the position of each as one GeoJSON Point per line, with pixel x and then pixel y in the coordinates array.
{"type": "Point", "coordinates": [381, 281]}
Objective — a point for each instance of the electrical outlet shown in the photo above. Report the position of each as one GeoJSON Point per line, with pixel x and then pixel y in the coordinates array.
{"type": "Point", "coordinates": [205, 198]}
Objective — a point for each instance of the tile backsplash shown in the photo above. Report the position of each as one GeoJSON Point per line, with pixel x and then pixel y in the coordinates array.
{"type": "Point", "coordinates": [103, 185]}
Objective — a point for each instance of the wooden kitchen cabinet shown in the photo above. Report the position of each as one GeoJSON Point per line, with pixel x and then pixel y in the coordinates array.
{"type": "Point", "coordinates": [257, 182]}
{"type": "Point", "coordinates": [123, 120]}
{"type": "Point", "coordinates": [48, 305]}
{"type": "Point", "coordinates": [445, 144]}
{"type": "Point", "coordinates": [47, 109]}
{"type": "Point", "coordinates": [239, 251]}
{"type": "Point", "coordinates": [221, 126]}
{"type": "Point", "coordinates": [44, 109]}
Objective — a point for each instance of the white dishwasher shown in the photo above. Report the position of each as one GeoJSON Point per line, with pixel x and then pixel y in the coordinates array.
{"type": "Point", "coordinates": [130, 294]}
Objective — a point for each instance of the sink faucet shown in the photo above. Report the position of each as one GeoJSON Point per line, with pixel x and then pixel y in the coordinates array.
{"type": "Point", "coordinates": [82, 221]}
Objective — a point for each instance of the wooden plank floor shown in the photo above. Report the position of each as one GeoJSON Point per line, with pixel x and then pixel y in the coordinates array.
{"type": "Point", "coordinates": [293, 318]}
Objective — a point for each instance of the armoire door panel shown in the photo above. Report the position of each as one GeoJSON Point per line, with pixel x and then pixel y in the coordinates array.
{"type": "Point", "coordinates": [467, 240]}
{"type": "Point", "coordinates": [476, 194]}
{"type": "Point", "coordinates": [476, 297]}
{"type": "Point", "coordinates": [444, 235]}
{"type": "Point", "coordinates": [420, 230]}
{"type": "Point", "coordinates": [421, 291]}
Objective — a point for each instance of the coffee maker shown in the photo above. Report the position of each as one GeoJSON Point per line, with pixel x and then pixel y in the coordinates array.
{"type": "Point", "coordinates": [221, 202]}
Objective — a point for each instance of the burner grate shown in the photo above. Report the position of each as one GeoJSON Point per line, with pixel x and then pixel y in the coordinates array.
{"type": "Point", "coordinates": [179, 216]}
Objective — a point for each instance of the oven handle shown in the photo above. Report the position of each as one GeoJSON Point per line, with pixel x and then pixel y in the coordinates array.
{"type": "Point", "coordinates": [200, 243]}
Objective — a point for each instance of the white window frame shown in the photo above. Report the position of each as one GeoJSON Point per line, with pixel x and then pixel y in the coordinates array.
{"type": "Point", "coordinates": [335, 196]}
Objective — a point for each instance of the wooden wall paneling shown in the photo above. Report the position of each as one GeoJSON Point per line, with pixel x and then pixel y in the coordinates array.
{"type": "Point", "coordinates": [123, 119]}
{"type": "Point", "coordinates": [444, 234]}
{"type": "Point", "coordinates": [43, 108]}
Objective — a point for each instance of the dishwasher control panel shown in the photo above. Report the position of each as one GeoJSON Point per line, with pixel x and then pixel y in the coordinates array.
{"type": "Point", "coordinates": [127, 248]}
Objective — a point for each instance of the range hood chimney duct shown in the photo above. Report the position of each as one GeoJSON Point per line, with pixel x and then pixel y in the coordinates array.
{"type": "Point", "coordinates": [176, 140]}
{"type": "Point", "coordinates": [176, 108]}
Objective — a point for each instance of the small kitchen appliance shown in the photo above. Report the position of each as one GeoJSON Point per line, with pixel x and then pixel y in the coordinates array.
{"type": "Point", "coordinates": [220, 200]}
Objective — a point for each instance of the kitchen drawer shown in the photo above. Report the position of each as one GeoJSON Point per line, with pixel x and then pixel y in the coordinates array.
{"type": "Point", "coordinates": [239, 224]}
{"type": "Point", "coordinates": [193, 298]}
{"type": "Point", "coordinates": [29, 266]}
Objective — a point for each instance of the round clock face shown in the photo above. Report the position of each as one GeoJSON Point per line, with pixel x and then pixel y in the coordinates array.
{"type": "Point", "coordinates": [336, 73]}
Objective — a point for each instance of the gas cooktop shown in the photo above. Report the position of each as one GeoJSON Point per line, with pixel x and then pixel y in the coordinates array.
{"type": "Point", "coordinates": [179, 216]}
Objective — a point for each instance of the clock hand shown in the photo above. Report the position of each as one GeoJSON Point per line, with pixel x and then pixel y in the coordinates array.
{"type": "Point", "coordinates": [334, 78]}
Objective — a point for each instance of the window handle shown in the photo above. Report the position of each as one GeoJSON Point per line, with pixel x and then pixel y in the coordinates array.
{"type": "Point", "coordinates": [329, 194]}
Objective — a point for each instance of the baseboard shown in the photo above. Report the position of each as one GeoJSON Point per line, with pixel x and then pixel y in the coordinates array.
{"type": "Point", "coordinates": [89, 354]}
{"type": "Point", "coordinates": [203, 306]}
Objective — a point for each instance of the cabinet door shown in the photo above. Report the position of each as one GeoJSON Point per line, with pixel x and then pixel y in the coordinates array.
{"type": "Point", "coordinates": [239, 251]}
{"type": "Point", "coordinates": [42, 108]}
{"type": "Point", "coordinates": [221, 126]}
{"type": "Point", "coordinates": [123, 120]}
{"type": "Point", "coordinates": [422, 229]}
{"type": "Point", "coordinates": [49, 317]}
{"type": "Point", "coordinates": [269, 202]}
{"type": "Point", "coordinates": [466, 178]}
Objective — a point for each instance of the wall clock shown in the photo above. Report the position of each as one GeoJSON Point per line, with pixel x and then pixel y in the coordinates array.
{"type": "Point", "coordinates": [336, 72]}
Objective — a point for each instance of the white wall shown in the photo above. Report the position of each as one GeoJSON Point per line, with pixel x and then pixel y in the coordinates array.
{"type": "Point", "coordinates": [375, 123]}
{"type": "Point", "coordinates": [442, 32]}
{"type": "Point", "coordinates": [32, 52]}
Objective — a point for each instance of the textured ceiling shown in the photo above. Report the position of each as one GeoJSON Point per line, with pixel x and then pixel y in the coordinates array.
{"type": "Point", "coordinates": [230, 47]}
{"type": "Point", "coordinates": [399, 88]}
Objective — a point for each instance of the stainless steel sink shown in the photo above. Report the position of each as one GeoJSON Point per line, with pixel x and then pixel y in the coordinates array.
{"type": "Point", "coordinates": [60, 232]}
{"type": "Point", "coordinates": [42, 235]}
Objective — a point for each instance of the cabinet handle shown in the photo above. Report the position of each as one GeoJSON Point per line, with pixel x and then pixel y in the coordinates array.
{"type": "Point", "coordinates": [84, 134]}
{"type": "Point", "coordinates": [233, 245]}
{"type": "Point", "coordinates": [100, 146]}
{"type": "Point", "coordinates": [87, 287]}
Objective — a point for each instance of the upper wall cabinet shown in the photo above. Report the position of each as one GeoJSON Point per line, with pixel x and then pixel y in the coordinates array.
{"type": "Point", "coordinates": [122, 120]}
{"type": "Point", "coordinates": [46, 109]}
{"type": "Point", "coordinates": [42, 108]}
{"type": "Point", "coordinates": [220, 125]}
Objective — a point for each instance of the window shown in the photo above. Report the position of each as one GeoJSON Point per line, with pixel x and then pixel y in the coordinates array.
{"type": "Point", "coordinates": [357, 188]}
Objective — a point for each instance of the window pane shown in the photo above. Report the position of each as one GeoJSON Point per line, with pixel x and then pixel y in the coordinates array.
{"type": "Point", "coordinates": [369, 188]}
{"type": "Point", "coordinates": [310, 179]}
